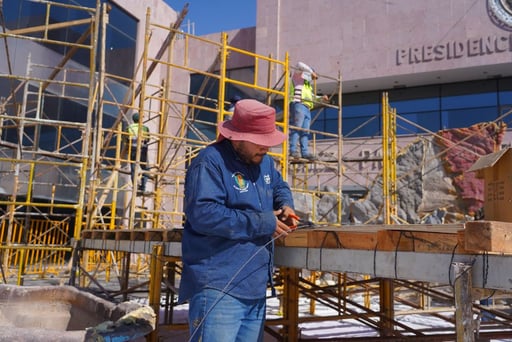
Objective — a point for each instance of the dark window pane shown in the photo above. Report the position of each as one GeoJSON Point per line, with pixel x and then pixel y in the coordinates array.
{"type": "Point", "coordinates": [120, 42]}
{"type": "Point", "coordinates": [505, 99]}
{"type": "Point", "coordinates": [415, 99]}
{"type": "Point", "coordinates": [361, 127]}
{"type": "Point", "coordinates": [20, 14]}
{"type": "Point", "coordinates": [362, 104]}
{"type": "Point", "coordinates": [469, 95]}
{"type": "Point", "coordinates": [466, 117]}
{"type": "Point", "coordinates": [418, 123]}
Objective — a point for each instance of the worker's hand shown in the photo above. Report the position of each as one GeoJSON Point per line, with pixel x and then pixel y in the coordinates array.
{"type": "Point", "coordinates": [325, 98]}
{"type": "Point", "coordinates": [287, 221]}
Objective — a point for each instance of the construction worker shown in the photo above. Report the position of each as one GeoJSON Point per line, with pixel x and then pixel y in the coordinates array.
{"type": "Point", "coordinates": [235, 202]}
{"type": "Point", "coordinates": [133, 133]}
{"type": "Point", "coordinates": [302, 102]}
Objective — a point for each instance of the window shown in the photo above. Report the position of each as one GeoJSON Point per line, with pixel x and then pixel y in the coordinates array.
{"type": "Point", "coordinates": [428, 108]}
{"type": "Point", "coordinates": [120, 61]}
{"type": "Point", "coordinates": [207, 90]}
{"type": "Point", "coordinates": [120, 36]}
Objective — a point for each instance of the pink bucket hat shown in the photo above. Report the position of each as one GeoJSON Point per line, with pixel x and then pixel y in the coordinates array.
{"type": "Point", "coordinates": [252, 121]}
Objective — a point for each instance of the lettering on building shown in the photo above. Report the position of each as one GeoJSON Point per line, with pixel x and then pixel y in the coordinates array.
{"type": "Point", "coordinates": [372, 156]}
{"type": "Point", "coordinates": [472, 47]}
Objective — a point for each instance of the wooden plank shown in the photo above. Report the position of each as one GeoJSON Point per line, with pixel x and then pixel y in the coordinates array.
{"type": "Point", "coordinates": [463, 302]}
{"type": "Point", "coordinates": [97, 234]}
{"type": "Point", "coordinates": [488, 236]}
{"type": "Point", "coordinates": [412, 241]}
{"type": "Point", "coordinates": [461, 238]}
{"type": "Point", "coordinates": [381, 237]}
{"type": "Point", "coordinates": [137, 235]}
{"type": "Point", "coordinates": [86, 234]}
{"type": "Point", "coordinates": [123, 234]}
{"type": "Point", "coordinates": [343, 239]}
{"type": "Point", "coordinates": [298, 238]}
{"type": "Point", "coordinates": [172, 235]}
{"type": "Point", "coordinates": [331, 238]}
{"type": "Point", "coordinates": [109, 234]}
{"type": "Point", "coordinates": [432, 228]}
{"type": "Point", "coordinates": [153, 234]}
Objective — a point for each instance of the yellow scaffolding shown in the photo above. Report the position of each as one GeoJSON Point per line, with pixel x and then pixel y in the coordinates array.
{"type": "Point", "coordinates": [44, 189]}
{"type": "Point", "coordinates": [389, 161]}
{"type": "Point", "coordinates": [40, 233]}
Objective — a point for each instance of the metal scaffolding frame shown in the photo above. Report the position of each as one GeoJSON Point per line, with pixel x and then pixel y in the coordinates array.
{"type": "Point", "coordinates": [43, 190]}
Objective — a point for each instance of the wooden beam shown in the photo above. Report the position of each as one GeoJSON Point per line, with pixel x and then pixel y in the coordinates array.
{"type": "Point", "coordinates": [488, 236]}
{"type": "Point", "coordinates": [464, 323]}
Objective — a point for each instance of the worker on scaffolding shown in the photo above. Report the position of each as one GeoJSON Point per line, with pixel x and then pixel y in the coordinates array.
{"type": "Point", "coordinates": [302, 102]}
{"type": "Point", "coordinates": [133, 137]}
{"type": "Point", "coordinates": [235, 202]}
{"type": "Point", "coordinates": [232, 103]}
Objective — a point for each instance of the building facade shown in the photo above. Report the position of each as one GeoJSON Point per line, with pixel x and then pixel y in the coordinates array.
{"type": "Point", "coordinates": [445, 64]}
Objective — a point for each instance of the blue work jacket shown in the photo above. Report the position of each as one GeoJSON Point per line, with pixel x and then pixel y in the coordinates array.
{"type": "Point", "coordinates": [229, 206]}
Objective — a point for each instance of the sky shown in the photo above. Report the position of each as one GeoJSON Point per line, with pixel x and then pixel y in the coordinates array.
{"type": "Point", "coordinates": [210, 16]}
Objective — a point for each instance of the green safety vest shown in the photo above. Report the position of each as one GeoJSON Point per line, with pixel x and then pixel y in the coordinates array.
{"type": "Point", "coordinates": [306, 95]}
{"type": "Point", "coordinates": [133, 129]}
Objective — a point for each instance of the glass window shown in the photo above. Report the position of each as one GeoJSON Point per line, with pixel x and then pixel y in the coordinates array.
{"type": "Point", "coordinates": [505, 98]}
{"type": "Point", "coordinates": [20, 14]}
{"type": "Point", "coordinates": [458, 118]}
{"type": "Point", "coordinates": [419, 99]}
{"type": "Point", "coordinates": [120, 42]}
{"type": "Point", "coordinates": [360, 115]}
{"type": "Point", "coordinates": [361, 104]}
{"type": "Point", "coordinates": [418, 123]}
{"type": "Point", "coordinates": [368, 126]}
{"type": "Point", "coordinates": [432, 108]}
{"type": "Point", "coordinates": [120, 37]}
{"type": "Point", "coordinates": [469, 95]}
{"type": "Point", "coordinates": [208, 90]}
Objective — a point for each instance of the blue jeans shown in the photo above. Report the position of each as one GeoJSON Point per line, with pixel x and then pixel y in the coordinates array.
{"type": "Point", "coordinates": [143, 166]}
{"type": "Point", "coordinates": [218, 317]}
{"type": "Point", "coordinates": [300, 116]}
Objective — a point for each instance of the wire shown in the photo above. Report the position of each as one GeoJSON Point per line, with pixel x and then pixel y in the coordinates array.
{"type": "Point", "coordinates": [485, 268]}
{"type": "Point", "coordinates": [396, 254]}
{"type": "Point", "coordinates": [224, 292]}
{"type": "Point", "coordinates": [450, 266]}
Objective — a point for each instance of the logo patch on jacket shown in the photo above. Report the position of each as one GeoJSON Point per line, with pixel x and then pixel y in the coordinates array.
{"type": "Point", "coordinates": [240, 183]}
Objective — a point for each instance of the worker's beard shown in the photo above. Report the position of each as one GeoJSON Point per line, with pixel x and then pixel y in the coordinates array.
{"type": "Point", "coordinates": [246, 155]}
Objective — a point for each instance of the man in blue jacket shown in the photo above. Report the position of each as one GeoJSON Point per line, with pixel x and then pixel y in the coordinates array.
{"type": "Point", "coordinates": [236, 203]}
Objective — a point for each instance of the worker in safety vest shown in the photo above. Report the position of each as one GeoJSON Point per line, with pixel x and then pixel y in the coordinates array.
{"type": "Point", "coordinates": [133, 133]}
{"type": "Point", "coordinates": [302, 101]}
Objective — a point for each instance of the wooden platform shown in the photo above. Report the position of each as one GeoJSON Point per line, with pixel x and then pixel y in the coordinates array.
{"type": "Point", "coordinates": [469, 238]}
{"type": "Point", "coordinates": [418, 252]}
